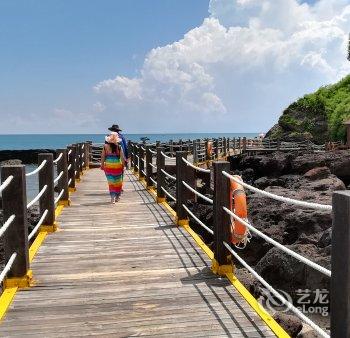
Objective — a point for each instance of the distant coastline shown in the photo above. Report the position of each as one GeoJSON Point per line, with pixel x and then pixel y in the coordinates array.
{"type": "Point", "coordinates": [55, 141]}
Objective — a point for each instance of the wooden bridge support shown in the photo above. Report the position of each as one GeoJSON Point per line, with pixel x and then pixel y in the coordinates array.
{"type": "Point", "coordinates": [47, 202]}
{"type": "Point", "coordinates": [160, 175]}
{"type": "Point", "coordinates": [62, 166]}
{"type": "Point", "coordinates": [72, 167]}
{"type": "Point", "coordinates": [141, 162]}
{"type": "Point", "coordinates": [131, 155]}
{"type": "Point", "coordinates": [149, 168]}
{"type": "Point", "coordinates": [340, 281]}
{"type": "Point", "coordinates": [186, 174]}
{"type": "Point", "coordinates": [222, 222]}
{"type": "Point", "coordinates": [14, 202]}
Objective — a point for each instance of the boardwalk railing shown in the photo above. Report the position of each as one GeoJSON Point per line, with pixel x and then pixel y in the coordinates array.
{"type": "Point", "coordinates": [19, 245]}
{"type": "Point", "coordinates": [172, 177]}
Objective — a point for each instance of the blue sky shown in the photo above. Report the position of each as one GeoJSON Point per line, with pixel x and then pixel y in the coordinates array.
{"type": "Point", "coordinates": [53, 52]}
{"type": "Point", "coordinates": [84, 61]}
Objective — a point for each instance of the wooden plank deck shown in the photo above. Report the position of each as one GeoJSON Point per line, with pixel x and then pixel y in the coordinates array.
{"type": "Point", "coordinates": [125, 270]}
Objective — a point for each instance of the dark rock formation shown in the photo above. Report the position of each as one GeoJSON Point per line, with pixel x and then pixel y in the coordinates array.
{"type": "Point", "coordinates": [291, 324]}
{"type": "Point", "coordinates": [29, 156]}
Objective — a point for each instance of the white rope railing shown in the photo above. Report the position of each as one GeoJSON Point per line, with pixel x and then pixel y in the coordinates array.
{"type": "Point", "coordinates": [40, 222]}
{"type": "Point", "coordinates": [42, 165]}
{"type": "Point", "coordinates": [7, 267]}
{"type": "Point", "coordinates": [6, 183]}
{"type": "Point", "coordinates": [69, 152]}
{"type": "Point", "coordinates": [143, 172]}
{"type": "Point", "coordinates": [197, 219]}
{"type": "Point", "coordinates": [168, 157]}
{"type": "Point", "coordinates": [58, 158]}
{"type": "Point", "coordinates": [290, 306]}
{"type": "Point", "coordinates": [196, 168]}
{"type": "Point", "coordinates": [168, 175]}
{"type": "Point", "coordinates": [197, 193]}
{"type": "Point", "coordinates": [58, 177]}
{"type": "Point", "coordinates": [37, 198]}
{"type": "Point", "coordinates": [153, 166]}
{"type": "Point", "coordinates": [154, 182]}
{"type": "Point", "coordinates": [59, 196]}
{"type": "Point", "coordinates": [6, 225]}
{"type": "Point", "coordinates": [143, 148]}
{"type": "Point", "coordinates": [152, 151]}
{"type": "Point", "coordinates": [288, 200]}
{"type": "Point", "coordinates": [168, 194]}
{"type": "Point", "coordinates": [70, 181]}
{"type": "Point", "coordinates": [83, 146]}
{"type": "Point", "coordinates": [70, 166]}
{"type": "Point", "coordinates": [280, 246]}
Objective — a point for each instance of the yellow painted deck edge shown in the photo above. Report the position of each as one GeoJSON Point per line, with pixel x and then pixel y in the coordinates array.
{"type": "Point", "coordinates": [9, 293]}
{"type": "Point", "coordinates": [257, 307]}
{"type": "Point", "coordinates": [6, 299]}
{"type": "Point", "coordinates": [39, 239]}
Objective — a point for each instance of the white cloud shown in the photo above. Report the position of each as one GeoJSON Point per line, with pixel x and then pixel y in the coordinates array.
{"type": "Point", "coordinates": [238, 70]}
{"type": "Point", "coordinates": [98, 107]}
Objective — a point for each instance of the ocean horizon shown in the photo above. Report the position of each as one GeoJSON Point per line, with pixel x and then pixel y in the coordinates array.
{"type": "Point", "coordinates": [55, 141]}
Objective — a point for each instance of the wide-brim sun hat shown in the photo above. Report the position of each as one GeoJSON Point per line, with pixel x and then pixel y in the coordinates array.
{"type": "Point", "coordinates": [114, 127]}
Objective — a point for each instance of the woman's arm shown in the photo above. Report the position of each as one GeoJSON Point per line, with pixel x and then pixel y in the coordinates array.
{"type": "Point", "coordinates": [103, 158]}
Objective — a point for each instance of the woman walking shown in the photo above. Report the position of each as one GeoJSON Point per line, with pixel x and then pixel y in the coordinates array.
{"type": "Point", "coordinates": [112, 162]}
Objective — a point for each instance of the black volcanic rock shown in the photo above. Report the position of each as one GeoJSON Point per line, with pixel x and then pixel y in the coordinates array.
{"type": "Point", "coordinates": [29, 156]}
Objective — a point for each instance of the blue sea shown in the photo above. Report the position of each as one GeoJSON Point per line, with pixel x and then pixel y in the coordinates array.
{"type": "Point", "coordinates": [55, 141]}
{"type": "Point", "coordinates": [40, 141]}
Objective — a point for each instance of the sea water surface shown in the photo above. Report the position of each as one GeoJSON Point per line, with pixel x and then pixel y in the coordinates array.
{"type": "Point", "coordinates": [54, 141]}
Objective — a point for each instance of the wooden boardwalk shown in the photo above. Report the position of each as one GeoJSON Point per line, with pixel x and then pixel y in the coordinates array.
{"type": "Point", "coordinates": [125, 270]}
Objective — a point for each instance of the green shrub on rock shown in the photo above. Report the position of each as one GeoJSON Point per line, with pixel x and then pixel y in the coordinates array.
{"type": "Point", "coordinates": [318, 116]}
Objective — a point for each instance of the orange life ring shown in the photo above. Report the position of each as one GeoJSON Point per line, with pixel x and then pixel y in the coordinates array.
{"type": "Point", "coordinates": [209, 149]}
{"type": "Point", "coordinates": [238, 205]}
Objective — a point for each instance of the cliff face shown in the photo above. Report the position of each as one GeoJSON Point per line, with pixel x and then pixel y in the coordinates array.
{"type": "Point", "coordinates": [317, 117]}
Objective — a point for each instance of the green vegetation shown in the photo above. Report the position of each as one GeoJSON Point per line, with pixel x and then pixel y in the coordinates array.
{"type": "Point", "coordinates": [318, 116]}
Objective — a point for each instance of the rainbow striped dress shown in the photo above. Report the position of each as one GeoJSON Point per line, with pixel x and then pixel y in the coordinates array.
{"type": "Point", "coordinates": [113, 169]}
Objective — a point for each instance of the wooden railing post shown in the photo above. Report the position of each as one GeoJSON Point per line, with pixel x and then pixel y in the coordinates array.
{"type": "Point", "coordinates": [244, 146]}
{"type": "Point", "coordinates": [149, 169]}
{"type": "Point", "coordinates": [62, 166]}
{"type": "Point", "coordinates": [86, 155]}
{"type": "Point", "coordinates": [77, 163]}
{"type": "Point", "coordinates": [141, 162]}
{"type": "Point", "coordinates": [340, 262]}
{"type": "Point", "coordinates": [72, 167]}
{"type": "Point", "coordinates": [234, 146]}
{"type": "Point", "coordinates": [131, 158]}
{"type": "Point", "coordinates": [180, 148]}
{"type": "Point", "coordinates": [222, 261]}
{"type": "Point", "coordinates": [207, 155]}
{"type": "Point", "coordinates": [171, 147]}
{"type": "Point", "coordinates": [14, 202]}
{"type": "Point", "coordinates": [182, 193]}
{"type": "Point", "coordinates": [195, 152]}
{"type": "Point", "coordinates": [137, 155]}
{"type": "Point", "coordinates": [134, 150]}
{"type": "Point", "coordinates": [216, 146]}
{"type": "Point", "coordinates": [160, 175]}
{"type": "Point", "coordinates": [224, 150]}
{"type": "Point", "coordinates": [81, 157]}
{"type": "Point", "coordinates": [47, 200]}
